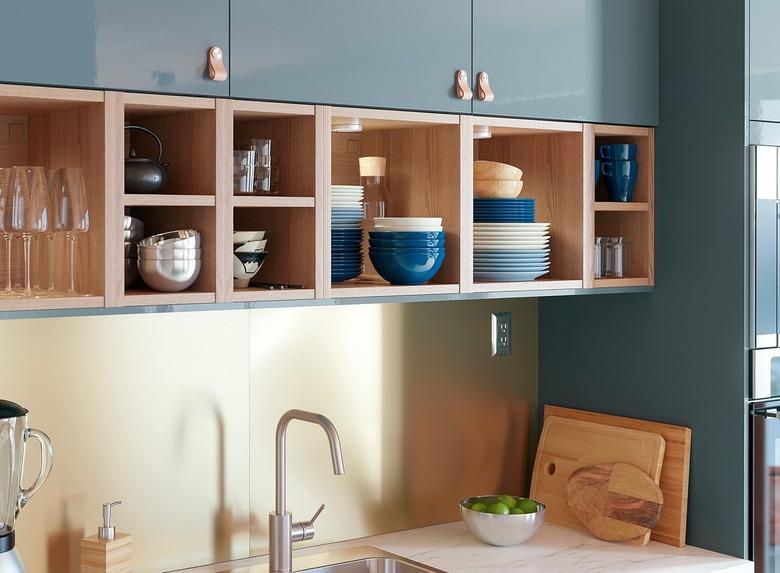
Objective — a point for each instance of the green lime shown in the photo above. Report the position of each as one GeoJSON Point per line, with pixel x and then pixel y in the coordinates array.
{"type": "Point", "coordinates": [527, 505]}
{"type": "Point", "coordinates": [498, 508]}
{"type": "Point", "coordinates": [467, 505]}
{"type": "Point", "coordinates": [478, 507]}
{"type": "Point", "coordinates": [516, 511]}
{"type": "Point", "coordinates": [508, 501]}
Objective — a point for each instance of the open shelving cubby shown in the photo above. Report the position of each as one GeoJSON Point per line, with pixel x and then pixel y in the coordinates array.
{"type": "Point", "coordinates": [55, 128]}
{"type": "Point", "coordinates": [190, 135]}
{"type": "Point", "coordinates": [551, 157]}
{"type": "Point", "coordinates": [633, 220]}
{"type": "Point", "coordinates": [424, 179]}
{"type": "Point", "coordinates": [288, 216]}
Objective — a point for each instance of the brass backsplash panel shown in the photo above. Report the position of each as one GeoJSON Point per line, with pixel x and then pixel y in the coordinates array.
{"type": "Point", "coordinates": [175, 415]}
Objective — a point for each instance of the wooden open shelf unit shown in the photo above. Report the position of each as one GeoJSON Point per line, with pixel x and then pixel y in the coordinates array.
{"type": "Point", "coordinates": [424, 179]}
{"type": "Point", "coordinates": [634, 221]}
{"type": "Point", "coordinates": [290, 216]}
{"type": "Point", "coordinates": [53, 129]}
{"type": "Point", "coordinates": [551, 155]}
{"type": "Point", "coordinates": [429, 173]}
{"type": "Point", "coordinates": [189, 130]}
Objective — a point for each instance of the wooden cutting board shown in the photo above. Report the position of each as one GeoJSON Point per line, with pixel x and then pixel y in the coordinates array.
{"type": "Point", "coordinates": [674, 476]}
{"type": "Point", "coordinates": [567, 445]}
{"type": "Point", "coordinates": [615, 502]}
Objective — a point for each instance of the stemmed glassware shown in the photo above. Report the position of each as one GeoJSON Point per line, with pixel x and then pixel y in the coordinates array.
{"type": "Point", "coordinates": [69, 215]}
{"type": "Point", "coordinates": [25, 214]}
{"type": "Point", "coordinates": [5, 210]}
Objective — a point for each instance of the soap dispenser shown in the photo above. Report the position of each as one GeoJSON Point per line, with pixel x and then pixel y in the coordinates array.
{"type": "Point", "coordinates": [108, 551]}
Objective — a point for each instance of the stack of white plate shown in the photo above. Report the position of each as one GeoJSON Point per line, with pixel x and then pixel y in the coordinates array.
{"type": "Point", "coordinates": [509, 252]}
{"type": "Point", "coordinates": [408, 224]}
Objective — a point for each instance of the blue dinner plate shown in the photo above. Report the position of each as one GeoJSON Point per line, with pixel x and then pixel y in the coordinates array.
{"type": "Point", "coordinates": [504, 201]}
{"type": "Point", "coordinates": [504, 219]}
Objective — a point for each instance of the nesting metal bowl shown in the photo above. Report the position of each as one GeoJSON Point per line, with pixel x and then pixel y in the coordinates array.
{"type": "Point", "coordinates": [182, 239]}
{"type": "Point", "coordinates": [169, 275]}
{"type": "Point", "coordinates": [502, 530]}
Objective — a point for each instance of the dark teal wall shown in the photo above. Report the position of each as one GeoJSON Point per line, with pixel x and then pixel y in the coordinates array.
{"type": "Point", "coordinates": [678, 354]}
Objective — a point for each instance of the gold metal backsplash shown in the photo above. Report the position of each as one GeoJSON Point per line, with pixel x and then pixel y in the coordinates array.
{"type": "Point", "coordinates": [174, 414]}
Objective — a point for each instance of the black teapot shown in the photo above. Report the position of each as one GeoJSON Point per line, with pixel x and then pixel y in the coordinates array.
{"type": "Point", "coordinates": [144, 175]}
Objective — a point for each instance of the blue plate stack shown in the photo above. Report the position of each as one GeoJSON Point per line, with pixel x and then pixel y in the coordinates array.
{"type": "Point", "coordinates": [509, 245]}
{"type": "Point", "coordinates": [346, 232]}
{"type": "Point", "coordinates": [504, 210]}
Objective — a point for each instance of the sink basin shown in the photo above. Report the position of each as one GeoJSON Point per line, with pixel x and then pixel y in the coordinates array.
{"type": "Point", "coordinates": [363, 559]}
{"type": "Point", "coordinates": [372, 565]}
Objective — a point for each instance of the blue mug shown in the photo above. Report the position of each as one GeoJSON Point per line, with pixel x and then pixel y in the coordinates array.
{"type": "Point", "coordinates": [621, 179]}
{"type": "Point", "coordinates": [618, 152]}
{"type": "Point", "coordinates": [598, 170]}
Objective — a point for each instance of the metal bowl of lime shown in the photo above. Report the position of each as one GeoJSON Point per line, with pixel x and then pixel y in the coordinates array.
{"type": "Point", "coordinates": [502, 520]}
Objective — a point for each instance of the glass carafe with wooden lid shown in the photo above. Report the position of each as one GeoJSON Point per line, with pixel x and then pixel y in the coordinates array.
{"type": "Point", "coordinates": [372, 178]}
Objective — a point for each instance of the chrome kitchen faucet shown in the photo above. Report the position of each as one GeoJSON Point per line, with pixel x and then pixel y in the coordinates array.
{"type": "Point", "coordinates": [283, 532]}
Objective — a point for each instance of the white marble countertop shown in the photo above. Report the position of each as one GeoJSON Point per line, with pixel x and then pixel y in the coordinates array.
{"type": "Point", "coordinates": [554, 549]}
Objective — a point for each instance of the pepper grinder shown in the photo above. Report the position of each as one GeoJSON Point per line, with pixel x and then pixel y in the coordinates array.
{"type": "Point", "coordinates": [108, 551]}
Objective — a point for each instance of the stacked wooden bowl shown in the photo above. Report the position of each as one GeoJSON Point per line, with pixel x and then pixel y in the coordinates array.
{"type": "Point", "coordinates": [494, 180]}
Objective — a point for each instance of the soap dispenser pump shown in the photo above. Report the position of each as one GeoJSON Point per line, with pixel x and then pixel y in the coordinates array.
{"type": "Point", "coordinates": [108, 551]}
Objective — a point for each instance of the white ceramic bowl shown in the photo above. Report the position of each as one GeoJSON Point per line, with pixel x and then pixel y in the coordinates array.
{"type": "Point", "coordinates": [502, 530]}
{"type": "Point", "coordinates": [251, 247]}
{"type": "Point", "coordinates": [247, 236]}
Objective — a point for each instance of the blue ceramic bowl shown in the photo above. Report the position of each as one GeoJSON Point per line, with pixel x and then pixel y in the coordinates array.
{"type": "Point", "coordinates": [424, 250]}
{"type": "Point", "coordinates": [406, 234]}
{"type": "Point", "coordinates": [400, 268]}
{"type": "Point", "coordinates": [406, 243]}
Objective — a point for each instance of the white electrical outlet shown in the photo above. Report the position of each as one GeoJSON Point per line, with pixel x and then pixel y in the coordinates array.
{"type": "Point", "coordinates": [501, 333]}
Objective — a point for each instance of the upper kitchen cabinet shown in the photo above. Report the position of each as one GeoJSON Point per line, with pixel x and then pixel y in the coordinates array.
{"type": "Point", "coordinates": [402, 54]}
{"type": "Point", "coordinates": [143, 45]}
{"type": "Point", "coordinates": [764, 60]}
{"type": "Point", "coordinates": [585, 60]}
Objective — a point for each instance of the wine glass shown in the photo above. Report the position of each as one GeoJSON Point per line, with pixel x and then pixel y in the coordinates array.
{"type": "Point", "coordinates": [5, 215]}
{"type": "Point", "coordinates": [69, 214]}
{"type": "Point", "coordinates": [28, 215]}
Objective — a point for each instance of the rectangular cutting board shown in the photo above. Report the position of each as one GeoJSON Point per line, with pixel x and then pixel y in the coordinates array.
{"type": "Point", "coordinates": [671, 528]}
{"type": "Point", "coordinates": [567, 445]}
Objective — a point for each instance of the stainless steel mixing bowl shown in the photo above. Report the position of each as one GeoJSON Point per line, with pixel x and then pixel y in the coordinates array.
{"type": "Point", "coordinates": [153, 253]}
{"type": "Point", "coordinates": [169, 275]}
{"type": "Point", "coordinates": [502, 530]}
{"type": "Point", "coordinates": [181, 239]}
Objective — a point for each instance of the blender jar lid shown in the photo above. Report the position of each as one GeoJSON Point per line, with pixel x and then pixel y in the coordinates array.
{"type": "Point", "coordinates": [11, 410]}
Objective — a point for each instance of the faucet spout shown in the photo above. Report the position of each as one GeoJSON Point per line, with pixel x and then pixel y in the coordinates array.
{"type": "Point", "coordinates": [281, 432]}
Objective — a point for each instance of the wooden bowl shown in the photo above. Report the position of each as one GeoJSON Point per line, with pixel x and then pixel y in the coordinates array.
{"type": "Point", "coordinates": [497, 189]}
{"type": "Point", "coordinates": [493, 171]}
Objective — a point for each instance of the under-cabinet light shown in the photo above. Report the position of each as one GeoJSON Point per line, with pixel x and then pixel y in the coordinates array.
{"type": "Point", "coordinates": [346, 125]}
{"type": "Point", "coordinates": [482, 132]}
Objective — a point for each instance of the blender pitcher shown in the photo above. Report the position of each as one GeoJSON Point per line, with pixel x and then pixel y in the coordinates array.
{"type": "Point", "coordinates": [14, 434]}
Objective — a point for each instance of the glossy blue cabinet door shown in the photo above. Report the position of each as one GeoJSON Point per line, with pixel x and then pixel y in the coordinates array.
{"type": "Point", "coordinates": [764, 60]}
{"type": "Point", "coordinates": [143, 45]}
{"type": "Point", "coordinates": [584, 60]}
{"type": "Point", "coordinates": [400, 54]}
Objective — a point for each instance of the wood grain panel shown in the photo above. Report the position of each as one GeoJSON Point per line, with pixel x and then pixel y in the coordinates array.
{"type": "Point", "coordinates": [633, 227]}
{"type": "Point", "coordinates": [292, 150]}
{"type": "Point", "coordinates": [553, 175]}
{"type": "Point", "coordinates": [671, 528]}
{"type": "Point", "coordinates": [291, 242]}
{"type": "Point", "coordinates": [203, 219]}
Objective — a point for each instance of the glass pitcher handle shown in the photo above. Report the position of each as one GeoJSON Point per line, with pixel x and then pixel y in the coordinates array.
{"type": "Point", "coordinates": [47, 460]}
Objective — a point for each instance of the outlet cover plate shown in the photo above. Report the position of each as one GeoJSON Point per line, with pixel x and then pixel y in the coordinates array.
{"type": "Point", "coordinates": [501, 333]}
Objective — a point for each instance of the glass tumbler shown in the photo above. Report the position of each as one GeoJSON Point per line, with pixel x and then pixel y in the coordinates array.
{"type": "Point", "coordinates": [598, 258]}
{"type": "Point", "coordinates": [244, 172]}
{"type": "Point", "coordinates": [615, 257]}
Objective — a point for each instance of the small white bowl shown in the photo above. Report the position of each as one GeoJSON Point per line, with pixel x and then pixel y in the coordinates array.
{"type": "Point", "coordinates": [247, 236]}
{"type": "Point", "coordinates": [251, 247]}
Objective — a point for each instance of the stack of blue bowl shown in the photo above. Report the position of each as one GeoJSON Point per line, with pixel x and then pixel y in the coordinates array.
{"type": "Point", "coordinates": [346, 232]}
{"type": "Point", "coordinates": [407, 250]}
{"type": "Point", "coordinates": [504, 210]}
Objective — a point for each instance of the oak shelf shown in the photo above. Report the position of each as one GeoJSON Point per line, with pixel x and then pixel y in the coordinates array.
{"type": "Point", "coordinates": [538, 284]}
{"type": "Point", "coordinates": [620, 207]}
{"type": "Point", "coordinates": [379, 289]}
{"type": "Point", "coordinates": [170, 200]}
{"type": "Point", "coordinates": [62, 302]}
{"type": "Point", "coordinates": [621, 282]}
{"type": "Point", "coordinates": [272, 201]}
{"type": "Point", "coordinates": [253, 294]}
{"type": "Point", "coordinates": [144, 297]}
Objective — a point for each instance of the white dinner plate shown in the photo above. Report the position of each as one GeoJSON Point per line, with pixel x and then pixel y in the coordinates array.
{"type": "Point", "coordinates": [511, 225]}
{"type": "Point", "coordinates": [420, 228]}
{"type": "Point", "coordinates": [405, 221]}
{"type": "Point", "coordinates": [508, 276]}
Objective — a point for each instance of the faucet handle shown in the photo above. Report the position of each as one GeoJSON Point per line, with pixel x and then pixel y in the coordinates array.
{"type": "Point", "coordinates": [304, 530]}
